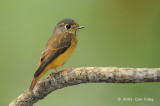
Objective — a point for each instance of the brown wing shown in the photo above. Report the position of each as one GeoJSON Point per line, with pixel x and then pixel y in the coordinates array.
{"type": "Point", "coordinates": [53, 49]}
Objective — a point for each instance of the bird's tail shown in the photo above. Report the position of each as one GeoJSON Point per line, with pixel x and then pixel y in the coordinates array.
{"type": "Point", "coordinates": [33, 84]}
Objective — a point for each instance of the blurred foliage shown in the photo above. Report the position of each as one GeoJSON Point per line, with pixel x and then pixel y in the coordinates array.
{"type": "Point", "coordinates": [121, 33]}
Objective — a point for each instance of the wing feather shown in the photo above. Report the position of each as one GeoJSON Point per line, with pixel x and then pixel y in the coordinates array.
{"type": "Point", "coordinates": [51, 52]}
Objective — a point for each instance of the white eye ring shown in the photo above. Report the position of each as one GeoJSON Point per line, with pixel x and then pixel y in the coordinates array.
{"type": "Point", "coordinates": [68, 26]}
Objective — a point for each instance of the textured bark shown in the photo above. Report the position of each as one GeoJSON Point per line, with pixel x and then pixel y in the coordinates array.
{"type": "Point", "coordinates": [86, 75]}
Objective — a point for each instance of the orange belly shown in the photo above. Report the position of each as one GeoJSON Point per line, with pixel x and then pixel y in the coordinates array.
{"type": "Point", "coordinates": [61, 59]}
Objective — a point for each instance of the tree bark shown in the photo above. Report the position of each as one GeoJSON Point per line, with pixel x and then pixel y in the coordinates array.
{"type": "Point", "coordinates": [86, 75]}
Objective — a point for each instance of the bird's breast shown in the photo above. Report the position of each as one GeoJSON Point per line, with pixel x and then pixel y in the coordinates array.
{"type": "Point", "coordinates": [61, 59]}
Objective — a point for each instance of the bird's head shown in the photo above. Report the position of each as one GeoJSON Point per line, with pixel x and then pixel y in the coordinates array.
{"type": "Point", "coordinates": [67, 26]}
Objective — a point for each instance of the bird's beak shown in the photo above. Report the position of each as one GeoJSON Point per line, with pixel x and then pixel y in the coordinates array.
{"type": "Point", "coordinates": [80, 27]}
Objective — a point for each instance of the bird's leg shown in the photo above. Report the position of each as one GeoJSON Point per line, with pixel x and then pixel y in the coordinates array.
{"type": "Point", "coordinates": [66, 69]}
{"type": "Point", "coordinates": [55, 70]}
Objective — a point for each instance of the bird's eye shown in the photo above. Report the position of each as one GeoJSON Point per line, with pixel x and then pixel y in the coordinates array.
{"type": "Point", "coordinates": [68, 26]}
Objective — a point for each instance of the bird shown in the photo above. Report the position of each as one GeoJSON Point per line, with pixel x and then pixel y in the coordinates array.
{"type": "Point", "coordinates": [58, 49]}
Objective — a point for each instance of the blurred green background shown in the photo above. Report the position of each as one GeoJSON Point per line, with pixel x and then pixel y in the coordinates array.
{"type": "Point", "coordinates": [121, 33]}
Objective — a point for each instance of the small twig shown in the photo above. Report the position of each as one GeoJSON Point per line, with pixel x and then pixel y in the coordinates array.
{"type": "Point", "coordinates": [86, 75]}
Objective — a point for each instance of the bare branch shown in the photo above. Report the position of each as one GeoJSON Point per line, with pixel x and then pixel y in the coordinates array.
{"type": "Point", "coordinates": [86, 75]}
